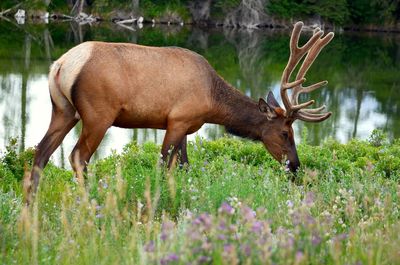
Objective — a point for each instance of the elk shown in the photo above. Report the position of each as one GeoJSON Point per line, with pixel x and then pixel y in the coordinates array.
{"type": "Point", "coordinates": [134, 86]}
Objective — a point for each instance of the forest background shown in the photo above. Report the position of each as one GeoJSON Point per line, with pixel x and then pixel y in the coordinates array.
{"type": "Point", "coordinates": [341, 14]}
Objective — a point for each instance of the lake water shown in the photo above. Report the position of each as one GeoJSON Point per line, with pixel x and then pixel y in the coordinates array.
{"type": "Point", "coordinates": [363, 72]}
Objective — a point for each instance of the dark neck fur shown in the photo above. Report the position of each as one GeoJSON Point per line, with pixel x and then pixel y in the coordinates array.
{"type": "Point", "coordinates": [238, 113]}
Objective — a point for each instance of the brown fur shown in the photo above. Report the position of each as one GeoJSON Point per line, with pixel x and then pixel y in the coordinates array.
{"type": "Point", "coordinates": [133, 86]}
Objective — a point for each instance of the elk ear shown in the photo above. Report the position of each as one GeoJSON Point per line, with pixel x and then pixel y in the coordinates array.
{"type": "Point", "coordinates": [267, 109]}
{"type": "Point", "coordinates": [272, 101]}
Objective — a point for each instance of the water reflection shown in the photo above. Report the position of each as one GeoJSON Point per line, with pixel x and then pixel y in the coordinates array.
{"type": "Point", "coordinates": [363, 71]}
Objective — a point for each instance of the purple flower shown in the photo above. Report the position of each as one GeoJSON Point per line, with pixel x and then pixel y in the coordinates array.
{"type": "Point", "coordinates": [341, 237]}
{"type": "Point", "coordinates": [204, 259]}
{"type": "Point", "coordinates": [206, 245]}
{"type": "Point", "coordinates": [221, 237]}
{"type": "Point", "coordinates": [309, 199]}
{"type": "Point", "coordinates": [205, 220]}
{"type": "Point", "coordinates": [194, 234]}
{"type": "Point", "coordinates": [316, 240]}
{"type": "Point", "coordinates": [296, 218]}
{"type": "Point", "coordinates": [222, 225]}
{"type": "Point", "coordinates": [290, 242]}
{"type": "Point", "coordinates": [166, 228]}
{"type": "Point", "coordinates": [299, 256]}
{"type": "Point", "coordinates": [228, 248]}
{"type": "Point", "coordinates": [246, 249]}
{"type": "Point", "coordinates": [248, 213]}
{"type": "Point", "coordinates": [169, 258]}
{"type": "Point", "coordinates": [257, 227]}
{"type": "Point", "coordinates": [289, 203]}
{"type": "Point", "coordinates": [226, 208]}
{"type": "Point", "coordinates": [149, 247]}
{"type": "Point", "coordinates": [310, 220]}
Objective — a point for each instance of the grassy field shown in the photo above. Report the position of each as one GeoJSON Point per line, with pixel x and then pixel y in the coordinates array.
{"type": "Point", "coordinates": [232, 205]}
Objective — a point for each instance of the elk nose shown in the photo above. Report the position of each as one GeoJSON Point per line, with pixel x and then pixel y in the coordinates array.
{"type": "Point", "coordinates": [293, 166]}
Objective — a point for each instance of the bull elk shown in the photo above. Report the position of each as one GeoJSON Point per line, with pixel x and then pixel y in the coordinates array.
{"type": "Point", "coordinates": [133, 86]}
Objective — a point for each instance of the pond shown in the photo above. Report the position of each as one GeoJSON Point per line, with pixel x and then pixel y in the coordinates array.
{"type": "Point", "coordinates": [363, 72]}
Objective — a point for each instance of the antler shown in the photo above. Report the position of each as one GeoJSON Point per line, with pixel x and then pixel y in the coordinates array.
{"type": "Point", "coordinates": [312, 48]}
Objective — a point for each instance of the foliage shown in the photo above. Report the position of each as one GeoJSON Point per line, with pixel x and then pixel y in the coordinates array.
{"type": "Point", "coordinates": [233, 204]}
{"type": "Point", "coordinates": [14, 164]}
{"type": "Point", "coordinates": [340, 12]}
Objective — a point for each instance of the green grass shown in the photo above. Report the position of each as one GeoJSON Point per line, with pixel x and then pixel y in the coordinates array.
{"type": "Point", "coordinates": [233, 205]}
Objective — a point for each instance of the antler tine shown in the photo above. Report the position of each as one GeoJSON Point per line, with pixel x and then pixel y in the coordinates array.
{"type": "Point", "coordinates": [296, 54]}
{"type": "Point", "coordinates": [314, 111]}
{"type": "Point", "coordinates": [304, 116]}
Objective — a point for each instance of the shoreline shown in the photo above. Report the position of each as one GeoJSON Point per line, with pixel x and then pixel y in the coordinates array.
{"type": "Point", "coordinates": [125, 18]}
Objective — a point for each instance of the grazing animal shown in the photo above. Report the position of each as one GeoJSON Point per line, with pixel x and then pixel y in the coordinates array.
{"type": "Point", "coordinates": [133, 86]}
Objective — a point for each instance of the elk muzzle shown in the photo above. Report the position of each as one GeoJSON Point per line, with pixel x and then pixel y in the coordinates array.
{"type": "Point", "coordinates": [293, 165]}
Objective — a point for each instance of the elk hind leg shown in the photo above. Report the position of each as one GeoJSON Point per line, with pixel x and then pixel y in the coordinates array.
{"type": "Point", "coordinates": [62, 121]}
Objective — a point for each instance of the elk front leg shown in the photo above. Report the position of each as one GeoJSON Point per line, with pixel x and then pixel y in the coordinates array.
{"type": "Point", "coordinates": [89, 140]}
{"type": "Point", "coordinates": [182, 152]}
{"type": "Point", "coordinates": [172, 144]}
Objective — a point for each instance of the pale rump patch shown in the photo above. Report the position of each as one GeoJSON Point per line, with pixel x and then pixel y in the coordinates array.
{"type": "Point", "coordinates": [65, 70]}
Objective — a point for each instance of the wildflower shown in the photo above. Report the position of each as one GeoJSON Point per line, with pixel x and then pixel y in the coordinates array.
{"type": "Point", "coordinates": [309, 199]}
{"type": "Point", "coordinates": [341, 237]}
{"type": "Point", "coordinates": [310, 220]}
{"type": "Point", "coordinates": [228, 248]}
{"type": "Point", "coordinates": [316, 240]}
{"type": "Point", "coordinates": [299, 257]}
{"type": "Point", "coordinates": [221, 237]}
{"type": "Point", "coordinates": [204, 259]}
{"type": "Point", "coordinates": [169, 258]}
{"type": "Point", "coordinates": [222, 225]}
{"type": "Point", "coordinates": [289, 204]}
{"type": "Point", "coordinates": [149, 247]}
{"type": "Point", "coordinates": [246, 249]}
{"type": "Point", "coordinates": [166, 228]}
{"type": "Point", "coordinates": [226, 208]}
{"type": "Point", "coordinates": [296, 218]}
{"type": "Point", "coordinates": [234, 201]}
{"type": "Point", "coordinates": [205, 220]}
{"type": "Point", "coordinates": [206, 245]}
{"type": "Point", "coordinates": [248, 213]}
{"type": "Point", "coordinates": [257, 227]}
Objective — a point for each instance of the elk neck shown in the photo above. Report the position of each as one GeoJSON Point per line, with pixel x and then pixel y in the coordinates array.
{"type": "Point", "coordinates": [238, 113]}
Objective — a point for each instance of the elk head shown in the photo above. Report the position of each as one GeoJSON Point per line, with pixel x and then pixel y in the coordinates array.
{"type": "Point", "coordinates": [278, 136]}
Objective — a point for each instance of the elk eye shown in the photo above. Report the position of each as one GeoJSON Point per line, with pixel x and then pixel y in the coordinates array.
{"type": "Point", "coordinates": [285, 135]}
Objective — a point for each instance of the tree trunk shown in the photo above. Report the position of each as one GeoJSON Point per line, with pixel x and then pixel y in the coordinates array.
{"type": "Point", "coordinates": [25, 76]}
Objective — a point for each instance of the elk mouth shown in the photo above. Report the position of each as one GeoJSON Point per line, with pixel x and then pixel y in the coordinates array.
{"type": "Point", "coordinates": [292, 166]}
{"type": "Point", "coordinates": [287, 163]}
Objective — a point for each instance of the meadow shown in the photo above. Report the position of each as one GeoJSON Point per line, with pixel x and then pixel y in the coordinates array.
{"type": "Point", "coordinates": [233, 205]}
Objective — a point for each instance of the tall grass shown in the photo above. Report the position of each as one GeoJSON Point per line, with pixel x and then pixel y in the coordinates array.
{"type": "Point", "coordinates": [232, 205]}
